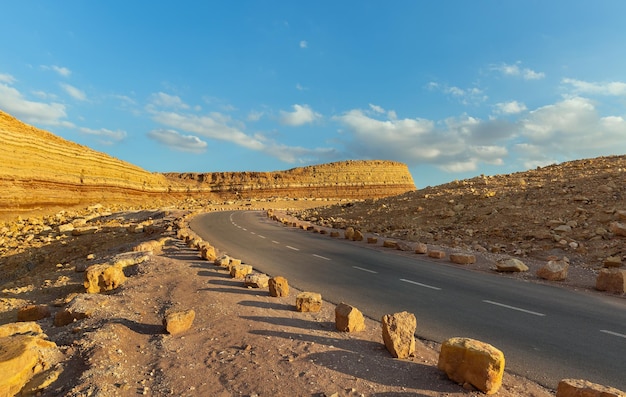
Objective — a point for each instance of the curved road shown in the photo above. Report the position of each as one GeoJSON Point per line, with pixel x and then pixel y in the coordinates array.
{"type": "Point", "coordinates": [546, 333]}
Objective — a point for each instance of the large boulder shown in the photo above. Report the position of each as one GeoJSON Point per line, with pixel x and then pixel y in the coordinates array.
{"type": "Point", "coordinates": [208, 252]}
{"type": "Point", "coordinates": [399, 333]}
{"type": "Point", "coordinates": [462, 259]}
{"type": "Point", "coordinates": [466, 360]}
{"type": "Point", "coordinates": [348, 318]}
{"type": "Point", "coordinates": [278, 286]}
{"type": "Point", "coordinates": [256, 280]}
{"type": "Point", "coordinates": [240, 271]}
{"type": "Point", "coordinates": [511, 265]}
{"type": "Point", "coordinates": [583, 388]}
{"type": "Point", "coordinates": [349, 233]}
{"type": "Point", "coordinates": [308, 302]}
{"type": "Point", "coordinates": [176, 322]}
{"type": "Point", "coordinates": [611, 280]}
{"type": "Point", "coordinates": [103, 277]}
{"type": "Point", "coordinates": [554, 271]}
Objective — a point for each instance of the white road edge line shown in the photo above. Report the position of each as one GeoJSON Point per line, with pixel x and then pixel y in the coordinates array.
{"type": "Point", "coordinates": [420, 284]}
{"type": "Point", "coordinates": [514, 308]}
{"type": "Point", "coordinates": [292, 248]}
{"type": "Point", "coordinates": [613, 333]}
{"type": "Point", "coordinates": [321, 257]}
{"type": "Point", "coordinates": [365, 270]}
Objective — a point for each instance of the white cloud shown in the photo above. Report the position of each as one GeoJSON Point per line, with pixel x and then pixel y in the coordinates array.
{"type": "Point", "coordinates": [377, 108]}
{"type": "Point", "coordinates": [614, 88]}
{"type": "Point", "coordinates": [213, 126]}
{"type": "Point", "coordinates": [304, 44]}
{"type": "Point", "coordinates": [7, 78]}
{"type": "Point", "coordinates": [176, 141]}
{"type": "Point", "coordinates": [517, 71]}
{"type": "Point", "coordinates": [105, 133]}
{"type": "Point", "coordinates": [302, 114]}
{"type": "Point", "coordinates": [466, 96]}
{"type": "Point", "coordinates": [13, 102]}
{"type": "Point", "coordinates": [74, 92]}
{"type": "Point", "coordinates": [63, 71]}
{"type": "Point", "coordinates": [568, 130]}
{"type": "Point", "coordinates": [255, 115]}
{"type": "Point", "coordinates": [300, 87]}
{"type": "Point", "coordinates": [454, 144]}
{"type": "Point", "coordinates": [167, 101]}
{"type": "Point", "coordinates": [512, 107]}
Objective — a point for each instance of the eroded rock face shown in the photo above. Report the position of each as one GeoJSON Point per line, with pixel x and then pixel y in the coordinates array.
{"type": "Point", "coordinates": [466, 360]}
{"type": "Point", "coordinates": [399, 333]}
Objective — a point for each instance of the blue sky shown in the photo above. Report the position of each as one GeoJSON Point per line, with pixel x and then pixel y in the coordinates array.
{"type": "Point", "coordinates": [454, 89]}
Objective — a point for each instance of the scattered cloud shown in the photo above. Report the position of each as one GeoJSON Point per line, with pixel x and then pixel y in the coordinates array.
{"type": "Point", "coordinates": [7, 78]}
{"type": "Point", "coordinates": [74, 92]}
{"type": "Point", "coordinates": [164, 100]}
{"type": "Point", "coordinates": [13, 102]}
{"type": "Point", "coordinates": [569, 129]}
{"type": "Point", "coordinates": [214, 126]}
{"type": "Point", "coordinates": [304, 44]}
{"type": "Point", "coordinates": [613, 88]}
{"type": "Point", "coordinates": [255, 115]}
{"type": "Point", "coordinates": [454, 145]}
{"type": "Point", "coordinates": [109, 135]}
{"type": "Point", "coordinates": [517, 71]}
{"type": "Point", "coordinates": [302, 114]}
{"type": "Point", "coordinates": [63, 71]}
{"type": "Point", "coordinates": [300, 87]}
{"type": "Point", "coordinates": [466, 96]}
{"type": "Point", "coordinates": [512, 107]}
{"type": "Point", "coordinates": [176, 141]}
{"type": "Point", "coordinates": [377, 109]}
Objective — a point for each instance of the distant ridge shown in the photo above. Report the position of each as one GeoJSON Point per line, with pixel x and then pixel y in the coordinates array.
{"type": "Point", "coordinates": [39, 170]}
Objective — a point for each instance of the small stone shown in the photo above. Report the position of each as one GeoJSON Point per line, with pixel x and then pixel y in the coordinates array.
{"type": "Point", "coordinates": [421, 248]}
{"type": "Point", "coordinates": [511, 265]}
{"type": "Point", "coordinates": [584, 388]}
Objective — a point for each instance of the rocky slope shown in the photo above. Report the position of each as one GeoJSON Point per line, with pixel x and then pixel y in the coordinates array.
{"type": "Point", "coordinates": [575, 210]}
{"type": "Point", "coordinates": [39, 170]}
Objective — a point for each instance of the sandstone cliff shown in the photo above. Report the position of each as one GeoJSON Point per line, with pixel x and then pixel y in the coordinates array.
{"type": "Point", "coordinates": [39, 170]}
{"type": "Point", "coordinates": [349, 179]}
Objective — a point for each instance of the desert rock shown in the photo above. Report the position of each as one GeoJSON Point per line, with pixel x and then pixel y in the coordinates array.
{"type": "Point", "coordinates": [278, 286]}
{"type": "Point", "coordinates": [611, 280]}
{"type": "Point", "coordinates": [308, 302]}
{"type": "Point", "coordinates": [33, 313]}
{"type": "Point", "coordinates": [256, 280]}
{"type": "Point", "coordinates": [583, 388]}
{"type": "Point", "coordinates": [511, 265]}
{"type": "Point", "coordinates": [399, 333]}
{"type": "Point", "coordinates": [103, 277]}
{"type": "Point", "coordinates": [466, 360]}
{"type": "Point", "coordinates": [348, 318]}
{"type": "Point", "coordinates": [462, 259]}
{"type": "Point", "coordinates": [554, 270]}
{"type": "Point", "coordinates": [176, 322]}
{"type": "Point", "coordinates": [240, 271]}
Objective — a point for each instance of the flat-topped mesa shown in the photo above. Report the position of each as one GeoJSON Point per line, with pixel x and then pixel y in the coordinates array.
{"type": "Point", "coordinates": [354, 179]}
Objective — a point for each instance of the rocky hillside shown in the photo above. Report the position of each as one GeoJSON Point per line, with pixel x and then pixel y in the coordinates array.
{"type": "Point", "coordinates": [575, 209]}
{"type": "Point", "coordinates": [39, 170]}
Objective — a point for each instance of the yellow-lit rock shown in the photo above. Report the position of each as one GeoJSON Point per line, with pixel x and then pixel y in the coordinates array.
{"type": "Point", "coordinates": [466, 360]}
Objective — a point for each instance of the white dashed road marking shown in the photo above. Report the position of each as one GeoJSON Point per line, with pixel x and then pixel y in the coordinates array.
{"type": "Point", "coordinates": [365, 270]}
{"type": "Point", "coordinates": [321, 257]}
{"type": "Point", "coordinates": [260, 236]}
{"type": "Point", "coordinates": [613, 333]}
{"type": "Point", "coordinates": [293, 248]}
{"type": "Point", "coordinates": [420, 284]}
{"type": "Point", "coordinates": [275, 242]}
{"type": "Point", "coordinates": [514, 308]}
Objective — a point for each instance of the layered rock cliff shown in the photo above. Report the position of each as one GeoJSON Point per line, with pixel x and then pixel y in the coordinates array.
{"type": "Point", "coordinates": [40, 170]}
{"type": "Point", "coordinates": [346, 179]}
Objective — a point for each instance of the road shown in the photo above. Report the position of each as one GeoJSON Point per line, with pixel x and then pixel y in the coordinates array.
{"type": "Point", "coordinates": [546, 333]}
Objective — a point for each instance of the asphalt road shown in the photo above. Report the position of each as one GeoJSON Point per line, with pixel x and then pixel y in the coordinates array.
{"type": "Point", "coordinates": [546, 333]}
